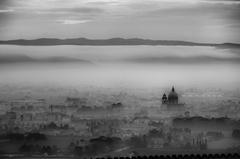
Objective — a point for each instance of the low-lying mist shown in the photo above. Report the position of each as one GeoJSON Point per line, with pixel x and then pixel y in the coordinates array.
{"type": "Point", "coordinates": [130, 66]}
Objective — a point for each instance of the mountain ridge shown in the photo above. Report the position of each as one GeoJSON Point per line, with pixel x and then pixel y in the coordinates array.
{"type": "Point", "coordinates": [13, 59]}
{"type": "Point", "coordinates": [110, 42]}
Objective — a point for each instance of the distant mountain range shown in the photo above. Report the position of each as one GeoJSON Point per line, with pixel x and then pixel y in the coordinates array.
{"type": "Point", "coordinates": [16, 59]}
{"type": "Point", "coordinates": [113, 41]}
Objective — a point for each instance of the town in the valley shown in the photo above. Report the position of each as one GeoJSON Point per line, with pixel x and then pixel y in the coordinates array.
{"type": "Point", "coordinates": [174, 122]}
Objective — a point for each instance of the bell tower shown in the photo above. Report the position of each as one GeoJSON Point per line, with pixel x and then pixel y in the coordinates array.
{"type": "Point", "coordinates": [164, 99]}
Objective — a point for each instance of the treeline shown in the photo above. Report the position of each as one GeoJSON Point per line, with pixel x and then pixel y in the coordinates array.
{"type": "Point", "coordinates": [24, 136]}
{"type": "Point", "coordinates": [53, 125]}
{"type": "Point", "coordinates": [37, 149]}
{"type": "Point", "coordinates": [104, 144]}
{"type": "Point", "coordinates": [96, 146]}
{"type": "Point", "coordinates": [236, 133]}
{"type": "Point", "coordinates": [206, 123]}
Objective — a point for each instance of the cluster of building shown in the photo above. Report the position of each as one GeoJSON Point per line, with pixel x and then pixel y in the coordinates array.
{"type": "Point", "coordinates": [80, 119]}
{"type": "Point", "coordinates": [71, 117]}
{"type": "Point", "coordinates": [29, 114]}
{"type": "Point", "coordinates": [75, 117]}
{"type": "Point", "coordinates": [178, 138]}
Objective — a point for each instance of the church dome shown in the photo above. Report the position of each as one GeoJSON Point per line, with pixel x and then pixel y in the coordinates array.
{"type": "Point", "coordinates": [173, 97]}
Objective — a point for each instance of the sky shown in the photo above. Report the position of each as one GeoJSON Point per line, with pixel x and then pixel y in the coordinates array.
{"type": "Point", "coordinates": [214, 21]}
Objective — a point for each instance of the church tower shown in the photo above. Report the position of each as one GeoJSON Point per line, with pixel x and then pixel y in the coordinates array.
{"type": "Point", "coordinates": [164, 99]}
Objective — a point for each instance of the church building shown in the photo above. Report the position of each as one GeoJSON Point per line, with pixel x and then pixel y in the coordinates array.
{"type": "Point", "coordinates": [171, 99]}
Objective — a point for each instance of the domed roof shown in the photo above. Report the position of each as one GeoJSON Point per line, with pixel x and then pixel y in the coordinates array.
{"type": "Point", "coordinates": [172, 94]}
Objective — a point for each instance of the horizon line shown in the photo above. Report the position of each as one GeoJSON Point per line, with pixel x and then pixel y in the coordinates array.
{"type": "Point", "coordinates": [122, 38]}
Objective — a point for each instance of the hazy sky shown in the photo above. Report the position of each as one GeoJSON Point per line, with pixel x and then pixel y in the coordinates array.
{"type": "Point", "coordinates": [190, 20]}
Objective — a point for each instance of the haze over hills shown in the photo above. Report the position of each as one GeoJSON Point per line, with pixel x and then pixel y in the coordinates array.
{"type": "Point", "coordinates": [16, 59]}
{"type": "Point", "coordinates": [112, 41]}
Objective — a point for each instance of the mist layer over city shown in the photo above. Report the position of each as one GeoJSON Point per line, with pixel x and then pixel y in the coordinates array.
{"type": "Point", "coordinates": [154, 66]}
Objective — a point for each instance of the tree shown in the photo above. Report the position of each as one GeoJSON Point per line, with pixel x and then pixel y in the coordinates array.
{"type": "Point", "coordinates": [236, 133]}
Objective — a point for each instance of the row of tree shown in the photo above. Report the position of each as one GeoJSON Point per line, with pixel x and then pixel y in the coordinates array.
{"type": "Point", "coordinates": [37, 149]}
{"type": "Point", "coordinates": [96, 146]}
{"type": "Point", "coordinates": [24, 136]}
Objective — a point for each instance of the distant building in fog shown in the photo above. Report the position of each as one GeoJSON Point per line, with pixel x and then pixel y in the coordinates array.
{"type": "Point", "coordinates": [71, 102]}
{"type": "Point", "coordinates": [171, 99]}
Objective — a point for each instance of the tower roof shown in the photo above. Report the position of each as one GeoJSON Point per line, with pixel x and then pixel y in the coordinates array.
{"type": "Point", "coordinates": [164, 96]}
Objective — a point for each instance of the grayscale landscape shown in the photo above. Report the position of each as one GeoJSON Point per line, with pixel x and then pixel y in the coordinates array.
{"type": "Point", "coordinates": [101, 78]}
